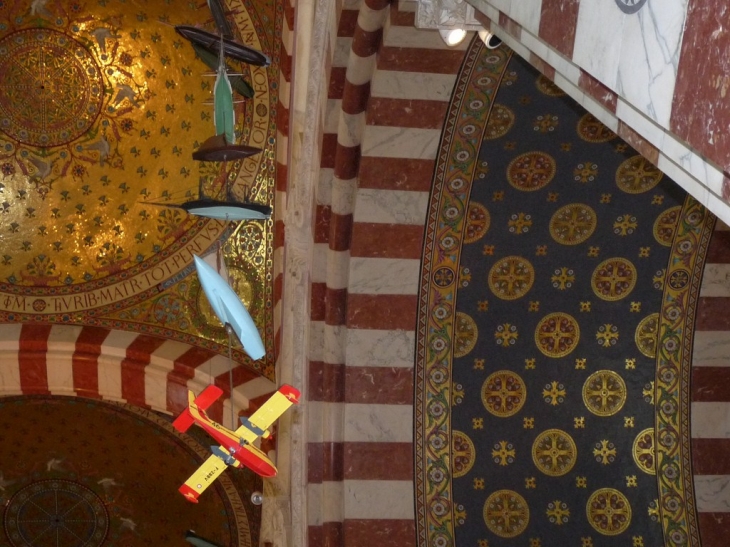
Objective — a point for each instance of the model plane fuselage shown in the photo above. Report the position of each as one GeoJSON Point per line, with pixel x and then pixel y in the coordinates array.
{"type": "Point", "coordinates": [236, 447]}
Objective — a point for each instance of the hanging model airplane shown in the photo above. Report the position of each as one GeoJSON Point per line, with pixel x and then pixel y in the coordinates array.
{"type": "Point", "coordinates": [229, 309]}
{"type": "Point", "coordinates": [222, 146]}
{"type": "Point", "coordinates": [236, 447]}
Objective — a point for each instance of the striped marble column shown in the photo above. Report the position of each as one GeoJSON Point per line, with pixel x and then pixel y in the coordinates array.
{"type": "Point", "coordinates": [386, 106]}
{"type": "Point", "coordinates": [711, 394]}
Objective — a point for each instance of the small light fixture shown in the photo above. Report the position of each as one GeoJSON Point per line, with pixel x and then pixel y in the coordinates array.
{"type": "Point", "coordinates": [452, 36]}
{"type": "Point", "coordinates": [489, 39]}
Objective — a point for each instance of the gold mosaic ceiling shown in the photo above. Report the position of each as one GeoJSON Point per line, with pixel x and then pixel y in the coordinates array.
{"type": "Point", "coordinates": [101, 105]}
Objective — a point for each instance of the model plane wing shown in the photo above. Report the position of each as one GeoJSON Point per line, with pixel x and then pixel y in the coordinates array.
{"type": "Point", "coordinates": [258, 424]}
{"type": "Point", "coordinates": [203, 477]}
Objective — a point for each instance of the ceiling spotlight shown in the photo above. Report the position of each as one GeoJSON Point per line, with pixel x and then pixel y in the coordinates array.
{"type": "Point", "coordinates": [452, 36]}
{"type": "Point", "coordinates": [489, 39]}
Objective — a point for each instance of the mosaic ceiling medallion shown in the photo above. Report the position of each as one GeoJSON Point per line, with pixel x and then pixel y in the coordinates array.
{"type": "Point", "coordinates": [101, 109]}
{"type": "Point", "coordinates": [52, 87]}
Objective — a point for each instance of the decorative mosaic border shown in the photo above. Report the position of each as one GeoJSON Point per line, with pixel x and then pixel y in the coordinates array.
{"type": "Point", "coordinates": [672, 396]}
{"type": "Point", "coordinates": [466, 121]}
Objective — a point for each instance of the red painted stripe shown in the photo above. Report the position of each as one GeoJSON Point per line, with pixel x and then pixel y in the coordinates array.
{"type": "Point", "coordinates": [378, 461]}
{"type": "Point", "coordinates": [340, 235]}
{"type": "Point", "coordinates": [558, 21]}
{"type": "Point", "coordinates": [285, 64]}
{"type": "Point", "coordinates": [387, 533]}
{"type": "Point", "coordinates": [182, 371]}
{"type": "Point", "coordinates": [355, 98]}
{"type": "Point", "coordinates": [337, 82]}
{"type": "Point", "coordinates": [382, 311]}
{"type": "Point", "coordinates": [395, 174]}
{"type": "Point", "coordinates": [282, 173]}
{"type": "Point", "coordinates": [712, 313]}
{"type": "Point", "coordinates": [322, 223]}
{"type": "Point", "coordinates": [317, 306]}
{"type": "Point", "coordinates": [711, 456]}
{"type": "Point", "coordinates": [413, 113]}
{"type": "Point", "coordinates": [328, 534]}
{"type": "Point", "coordinates": [329, 149]}
{"type": "Point", "coordinates": [133, 367]}
{"type": "Point", "coordinates": [636, 141]}
{"type": "Point", "coordinates": [401, 18]}
{"type": "Point", "coordinates": [373, 240]}
{"type": "Point", "coordinates": [289, 15]}
{"type": "Point", "coordinates": [405, 59]}
{"type": "Point", "coordinates": [711, 384]}
{"type": "Point", "coordinates": [718, 251]}
{"type": "Point", "coordinates": [326, 382]}
{"type": "Point", "coordinates": [347, 162]}
{"type": "Point", "coordinates": [365, 43]}
{"type": "Point", "coordinates": [597, 90]}
{"type": "Point", "coordinates": [541, 65]}
{"type": "Point", "coordinates": [33, 348]}
{"type": "Point", "coordinates": [379, 385]}
{"type": "Point", "coordinates": [325, 462]}
{"type": "Point", "coordinates": [282, 118]}
{"type": "Point", "coordinates": [714, 529]}
{"type": "Point", "coordinates": [279, 234]}
{"type": "Point", "coordinates": [335, 312]}
{"type": "Point", "coordinates": [510, 25]}
{"type": "Point", "coordinates": [348, 23]}
{"type": "Point", "coordinates": [85, 361]}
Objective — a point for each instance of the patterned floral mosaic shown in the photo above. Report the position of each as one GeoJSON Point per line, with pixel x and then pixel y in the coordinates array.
{"type": "Point", "coordinates": [544, 298]}
{"type": "Point", "coordinates": [102, 105]}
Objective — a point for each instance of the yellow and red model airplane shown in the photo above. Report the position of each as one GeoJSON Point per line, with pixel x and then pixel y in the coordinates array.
{"type": "Point", "coordinates": [236, 447]}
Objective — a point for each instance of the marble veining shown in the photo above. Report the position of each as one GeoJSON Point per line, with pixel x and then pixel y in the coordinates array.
{"type": "Point", "coordinates": [343, 45]}
{"type": "Point", "coordinates": [325, 502]}
{"type": "Point", "coordinates": [325, 422]}
{"type": "Point", "coordinates": [650, 47]}
{"type": "Point", "coordinates": [59, 371]}
{"type": "Point", "coordinates": [324, 188]}
{"type": "Point", "coordinates": [711, 349]}
{"type": "Point", "coordinates": [335, 341]}
{"type": "Point", "coordinates": [400, 142]}
{"type": "Point", "coordinates": [332, 115]}
{"type": "Point", "coordinates": [378, 423]}
{"type": "Point", "coordinates": [713, 493]}
{"type": "Point", "coordinates": [384, 275]}
{"type": "Point", "coordinates": [391, 84]}
{"type": "Point", "coordinates": [391, 206]}
{"type": "Point", "coordinates": [380, 348]}
{"type": "Point", "coordinates": [110, 378]}
{"type": "Point", "coordinates": [349, 128]}
{"type": "Point", "coordinates": [716, 280]}
{"type": "Point", "coordinates": [598, 38]}
{"type": "Point", "coordinates": [316, 340]}
{"type": "Point", "coordinates": [710, 420]}
{"type": "Point", "coordinates": [378, 499]}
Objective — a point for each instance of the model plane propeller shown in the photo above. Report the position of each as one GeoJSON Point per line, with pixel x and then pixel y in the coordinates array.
{"type": "Point", "coordinates": [236, 447]}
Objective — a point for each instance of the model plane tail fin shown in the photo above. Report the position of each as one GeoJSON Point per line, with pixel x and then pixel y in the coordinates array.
{"type": "Point", "coordinates": [206, 398]}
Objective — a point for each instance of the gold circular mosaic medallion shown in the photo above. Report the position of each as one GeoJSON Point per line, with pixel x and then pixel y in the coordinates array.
{"type": "Point", "coordinates": [52, 87]}
{"type": "Point", "coordinates": [643, 451]}
{"type": "Point", "coordinates": [573, 224]}
{"type": "Point", "coordinates": [604, 393]}
{"type": "Point", "coordinates": [608, 511]}
{"type": "Point", "coordinates": [636, 175]}
{"type": "Point", "coordinates": [613, 279]}
{"type": "Point", "coordinates": [501, 120]}
{"type": "Point", "coordinates": [554, 452]}
{"type": "Point", "coordinates": [646, 335]}
{"type": "Point", "coordinates": [511, 278]}
{"type": "Point", "coordinates": [666, 224]}
{"type": "Point", "coordinates": [465, 334]}
{"type": "Point", "coordinates": [506, 513]}
{"type": "Point", "coordinates": [503, 393]}
{"type": "Point", "coordinates": [531, 171]}
{"type": "Point", "coordinates": [477, 222]}
{"type": "Point", "coordinates": [591, 130]}
{"type": "Point", "coordinates": [463, 453]}
{"type": "Point", "coordinates": [557, 334]}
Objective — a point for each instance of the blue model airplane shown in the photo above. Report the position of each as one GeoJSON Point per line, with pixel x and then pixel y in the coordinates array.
{"type": "Point", "coordinates": [229, 309]}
